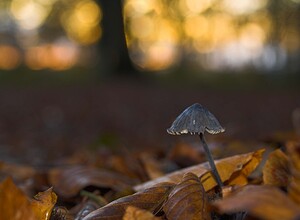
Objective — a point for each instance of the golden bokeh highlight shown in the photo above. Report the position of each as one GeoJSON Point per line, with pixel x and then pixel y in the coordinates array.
{"type": "Point", "coordinates": [82, 22]}
{"type": "Point", "coordinates": [201, 24]}
{"type": "Point", "coordinates": [148, 25]}
{"type": "Point", "coordinates": [30, 14]}
{"type": "Point", "coordinates": [134, 8]}
{"type": "Point", "coordinates": [51, 56]}
{"type": "Point", "coordinates": [237, 7]}
{"type": "Point", "coordinates": [157, 32]}
{"type": "Point", "coordinates": [196, 6]}
{"type": "Point", "coordinates": [10, 57]}
{"type": "Point", "coordinates": [252, 36]}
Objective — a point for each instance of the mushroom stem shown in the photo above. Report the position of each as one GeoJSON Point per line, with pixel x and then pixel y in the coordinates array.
{"type": "Point", "coordinates": [211, 161]}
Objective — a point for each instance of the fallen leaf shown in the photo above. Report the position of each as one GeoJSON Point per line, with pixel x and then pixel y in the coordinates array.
{"type": "Point", "coordinates": [293, 149]}
{"type": "Point", "coordinates": [14, 203]}
{"type": "Point", "coordinates": [134, 213]}
{"type": "Point", "coordinates": [68, 182]}
{"type": "Point", "coordinates": [242, 164]}
{"type": "Point", "coordinates": [240, 177]}
{"type": "Point", "coordinates": [263, 202]}
{"type": "Point", "coordinates": [43, 203]}
{"type": "Point", "coordinates": [151, 165]}
{"type": "Point", "coordinates": [187, 200]}
{"type": "Point", "coordinates": [276, 170]}
{"type": "Point", "coordinates": [150, 199]}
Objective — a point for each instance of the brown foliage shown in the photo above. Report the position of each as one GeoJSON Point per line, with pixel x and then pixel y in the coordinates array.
{"type": "Point", "coordinates": [293, 149]}
{"type": "Point", "coordinates": [133, 213]}
{"type": "Point", "coordinates": [240, 165]}
{"type": "Point", "coordinates": [188, 200]}
{"type": "Point", "coordinates": [150, 199]}
{"type": "Point", "coordinates": [16, 205]}
{"type": "Point", "coordinates": [87, 192]}
{"type": "Point", "coordinates": [276, 170]}
{"type": "Point", "coordinates": [264, 202]}
{"type": "Point", "coordinates": [67, 182]}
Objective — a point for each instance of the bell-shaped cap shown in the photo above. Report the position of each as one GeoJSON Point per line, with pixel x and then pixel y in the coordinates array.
{"type": "Point", "coordinates": [195, 120]}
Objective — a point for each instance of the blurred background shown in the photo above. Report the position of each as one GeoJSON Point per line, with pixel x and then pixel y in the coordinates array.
{"type": "Point", "coordinates": [90, 73]}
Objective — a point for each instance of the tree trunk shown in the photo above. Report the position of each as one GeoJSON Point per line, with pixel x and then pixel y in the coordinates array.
{"type": "Point", "coordinates": [112, 46]}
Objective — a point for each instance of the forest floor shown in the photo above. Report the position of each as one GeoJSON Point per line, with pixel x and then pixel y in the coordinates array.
{"type": "Point", "coordinates": [101, 151]}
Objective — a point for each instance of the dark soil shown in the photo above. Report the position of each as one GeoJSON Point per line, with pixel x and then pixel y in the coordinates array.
{"type": "Point", "coordinates": [39, 123]}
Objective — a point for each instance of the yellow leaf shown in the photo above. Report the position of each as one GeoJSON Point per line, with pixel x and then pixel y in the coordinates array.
{"type": "Point", "coordinates": [43, 203]}
{"type": "Point", "coordinates": [229, 168]}
{"type": "Point", "coordinates": [14, 204]}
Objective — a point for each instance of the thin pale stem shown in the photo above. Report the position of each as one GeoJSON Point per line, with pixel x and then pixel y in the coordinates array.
{"type": "Point", "coordinates": [211, 161]}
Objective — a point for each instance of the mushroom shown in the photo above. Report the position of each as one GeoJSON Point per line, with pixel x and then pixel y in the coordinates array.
{"type": "Point", "coordinates": [196, 119]}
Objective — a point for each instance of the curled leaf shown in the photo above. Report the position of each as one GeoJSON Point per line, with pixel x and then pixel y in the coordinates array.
{"type": "Point", "coordinates": [239, 165]}
{"type": "Point", "coordinates": [68, 182]}
{"type": "Point", "coordinates": [43, 203]}
{"type": "Point", "coordinates": [276, 170]}
{"type": "Point", "coordinates": [150, 199]}
{"type": "Point", "coordinates": [187, 200]}
{"type": "Point", "coordinates": [264, 202]}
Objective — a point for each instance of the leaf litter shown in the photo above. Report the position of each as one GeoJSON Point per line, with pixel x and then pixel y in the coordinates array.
{"type": "Point", "coordinates": [142, 187]}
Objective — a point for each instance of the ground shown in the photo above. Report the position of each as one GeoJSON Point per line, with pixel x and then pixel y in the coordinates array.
{"type": "Point", "coordinates": [38, 123]}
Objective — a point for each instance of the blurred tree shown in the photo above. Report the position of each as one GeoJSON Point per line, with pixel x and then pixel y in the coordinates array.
{"type": "Point", "coordinates": [113, 46]}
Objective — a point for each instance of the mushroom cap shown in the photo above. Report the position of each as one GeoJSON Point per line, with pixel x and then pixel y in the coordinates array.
{"type": "Point", "coordinates": [195, 120]}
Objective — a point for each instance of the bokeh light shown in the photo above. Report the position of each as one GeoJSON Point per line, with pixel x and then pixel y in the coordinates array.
{"type": "Point", "coordinates": [10, 57]}
{"type": "Point", "coordinates": [210, 34]}
{"type": "Point", "coordinates": [60, 55]}
{"type": "Point", "coordinates": [82, 22]}
{"type": "Point", "coordinates": [238, 7]}
{"type": "Point", "coordinates": [29, 14]}
{"type": "Point", "coordinates": [215, 33]}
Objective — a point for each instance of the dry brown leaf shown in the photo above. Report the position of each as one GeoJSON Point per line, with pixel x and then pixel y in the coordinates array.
{"type": "Point", "coordinates": [14, 203]}
{"type": "Point", "coordinates": [187, 200]}
{"type": "Point", "coordinates": [134, 213]}
{"type": "Point", "coordinates": [149, 199]}
{"type": "Point", "coordinates": [264, 202]}
{"type": "Point", "coordinates": [235, 166]}
{"type": "Point", "coordinates": [276, 170]}
{"type": "Point", "coordinates": [293, 149]}
{"type": "Point", "coordinates": [151, 166]}
{"type": "Point", "coordinates": [43, 203]}
{"type": "Point", "coordinates": [67, 182]}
